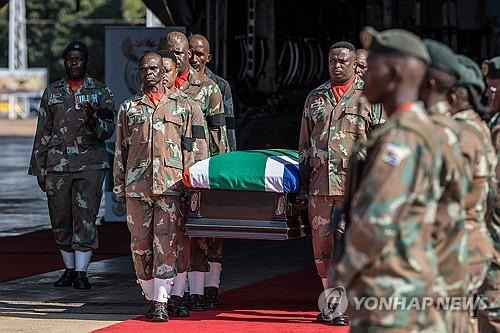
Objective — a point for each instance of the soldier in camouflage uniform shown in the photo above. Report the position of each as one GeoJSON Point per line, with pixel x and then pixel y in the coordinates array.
{"type": "Point", "coordinates": [450, 233]}
{"type": "Point", "coordinates": [389, 249]}
{"type": "Point", "coordinates": [335, 116]}
{"type": "Point", "coordinates": [153, 148]}
{"type": "Point", "coordinates": [480, 158]}
{"type": "Point", "coordinates": [489, 319]}
{"type": "Point", "coordinates": [206, 92]}
{"type": "Point", "coordinates": [69, 159]}
{"type": "Point", "coordinates": [212, 248]}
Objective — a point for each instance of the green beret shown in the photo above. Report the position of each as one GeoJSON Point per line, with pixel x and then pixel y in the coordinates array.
{"type": "Point", "coordinates": [394, 41]}
{"type": "Point", "coordinates": [491, 68]}
{"type": "Point", "coordinates": [442, 57]}
{"type": "Point", "coordinates": [470, 74]}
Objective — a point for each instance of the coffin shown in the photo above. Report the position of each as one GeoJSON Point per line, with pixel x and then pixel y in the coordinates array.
{"type": "Point", "coordinates": [246, 195]}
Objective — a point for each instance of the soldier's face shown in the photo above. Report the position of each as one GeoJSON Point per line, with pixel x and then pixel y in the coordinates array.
{"type": "Point", "coordinates": [341, 65]}
{"type": "Point", "coordinates": [493, 94]}
{"type": "Point", "coordinates": [376, 78]}
{"type": "Point", "coordinates": [361, 64]}
{"type": "Point", "coordinates": [75, 64]}
{"type": "Point", "coordinates": [182, 53]}
{"type": "Point", "coordinates": [170, 73]}
{"type": "Point", "coordinates": [200, 55]}
{"type": "Point", "coordinates": [151, 70]}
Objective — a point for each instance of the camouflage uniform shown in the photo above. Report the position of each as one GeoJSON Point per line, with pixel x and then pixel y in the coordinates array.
{"type": "Point", "coordinates": [153, 148]}
{"type": "Point", "coordinates": [71, 154]}
{"type": "Point", "coordinates": [489, 319]}
{"type": "Point", "coordinates": [225, 90]}
{"type": "Point", "coordinates": [389, 249]}
{"type": "Point", "coordinates": [206, 93]}
{"type": "Point", "coordinates": [328, 132]}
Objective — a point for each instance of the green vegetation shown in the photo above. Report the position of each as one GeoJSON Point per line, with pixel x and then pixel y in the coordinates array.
{"type": "Point", "coordinates": [52, 24]}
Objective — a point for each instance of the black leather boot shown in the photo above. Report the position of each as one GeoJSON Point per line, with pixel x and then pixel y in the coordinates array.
{"type": "Point", "coordinates": [159, 312]}
{"type": "Point", "coordinates": [176, 307]}
{"type": "Point", "coordinates": [80, 281]}
{"type": "Point", "coordinates": [212, 297]}
{"type": "Point", "coordinates": [197, 303]}
{"type": "Point", "coordinates": [66, 279]}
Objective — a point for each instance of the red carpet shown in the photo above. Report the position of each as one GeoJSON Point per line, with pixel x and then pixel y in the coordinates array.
{"type": "Point", "coordinates": [286, 303]}
{"type": "Point", "coordinates": [37, 252]}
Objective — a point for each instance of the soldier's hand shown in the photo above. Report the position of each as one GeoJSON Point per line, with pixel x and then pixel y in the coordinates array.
{"type": "Point", "coordinates": [88, 112]}
{"type": "Point", "coordinates": [41, 182]}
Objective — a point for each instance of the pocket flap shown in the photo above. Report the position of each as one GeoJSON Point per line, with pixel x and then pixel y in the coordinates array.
{"type": "Point", "coordinates": [173, 119]}
{"type": "Point", "coordinates": [173, 162]}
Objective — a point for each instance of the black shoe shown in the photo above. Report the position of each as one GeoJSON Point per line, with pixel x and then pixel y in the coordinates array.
{"type": "Point", "coordinates": [149, 313]}
{"type": "Point", "coordinates": [212, 297]}
{"type": "Point", "coordinates": [66, 279]}
{"type": "Point", "coordinates": [176, 308]}
{"type": "Point", "coordinates": [80, 281]}
{"type": "Point", "coordinates": [186, 298]}
{"type": "Point", "coordinates": [342, 320]}
{"type": "Point", "coordinates": [197, 303]}
{"type": "Point", "coordinates": [159, 312]}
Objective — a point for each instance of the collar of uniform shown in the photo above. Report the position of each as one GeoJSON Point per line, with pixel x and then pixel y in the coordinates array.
{"type": "Point", "coordinates": [88, 83]}
{"type": "Point", "coordinates": [194, 77]}
{"type": "Point", "coordinates": [417, 109]}
{"type": "Point", "coordinates": [466, 114]}
{"type": "Point", "coordinates": [442, 107]}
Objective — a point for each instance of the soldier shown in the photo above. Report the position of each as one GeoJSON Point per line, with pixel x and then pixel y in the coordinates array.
{"type": "Point", "coordinates": [69, 159]}
{"type": "Point", "coordinates": [153, 148]}
{"type": "Point", "coordinates": [335, 116]}
{"type": "Point", "coordinates": [450, 234]}
{"type": "Point", "coordinates": [388, 243]}
{"type": "Point", "coordinates": [211, 249]}
{"type": "Point", "coordinates": [489, 319]}
{"type": "Point", "coordinates": [361, 66]}
{"type": "Point", "coordinates": [200, 57]}
{"type": "Point", "coordinates": [479, 155]}
{"type": "Point", "coordinates": [207, 94]}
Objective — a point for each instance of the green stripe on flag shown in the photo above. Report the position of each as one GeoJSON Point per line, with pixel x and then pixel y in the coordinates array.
{"type": "Point", "coordinates": [242, 169]}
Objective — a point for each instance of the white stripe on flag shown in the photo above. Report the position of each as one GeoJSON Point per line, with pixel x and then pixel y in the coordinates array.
{"type": "Point", "coordinates": [198, 174]}
{"type": "Point", "coordinates": [275, 168]}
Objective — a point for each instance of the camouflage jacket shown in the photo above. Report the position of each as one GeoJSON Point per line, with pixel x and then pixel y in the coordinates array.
{"type": "Point", "coordinates": [225, 90]}
{"type": "Point", "coordinates": [389, 248]}
{"type": "Point", "coordinates": [328, 132]}
{"type": "Point", "coordinates": [450, 235]}
{"type": "Point", "coordinates": [63, 141]}
{"type": "Point", "coordinates": [207, 94]}
{"type": "Point", "coordinates": [153, 145]}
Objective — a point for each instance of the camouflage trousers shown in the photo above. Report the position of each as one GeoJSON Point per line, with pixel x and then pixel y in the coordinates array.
{"type": "Point", "coordinates": [157, 237]}
{"type": "Point", "coordinates": [320, 213]}
{"type": "Point", "coordinates": [489, 318]}
{"type": "Point", "coordinates": [204, 250]}
{"type": "Point", "coordinates": [74, 200]}
{"type": "Point", "coordinates": [456, 321]}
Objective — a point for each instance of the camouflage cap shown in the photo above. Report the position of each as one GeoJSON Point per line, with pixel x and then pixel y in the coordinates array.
{"type": "Point", "coordinates": [470, 74]}
{"type": "Point", "coordinates": [75, 46]}
{"type": "Point", "coordinates": [394, 41]}
{"type": "Point", "coordinates": [442, 57]}
{"type": "Point", "coordinates": [491, 68]}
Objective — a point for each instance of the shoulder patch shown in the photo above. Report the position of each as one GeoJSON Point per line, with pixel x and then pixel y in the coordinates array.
{"type": "Point", "coordinates": [393, 155]}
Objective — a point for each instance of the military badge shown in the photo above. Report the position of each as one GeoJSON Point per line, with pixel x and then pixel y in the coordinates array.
{"type": "Point", "coordinates": [393, 155]}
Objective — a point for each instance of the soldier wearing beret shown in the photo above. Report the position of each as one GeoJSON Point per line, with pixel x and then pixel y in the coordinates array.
{"type": "Point", "coordinates": [450, 233]}
{"type": "Point", "coordinates": [69, 160]}
{"type": "Point", "coordinates": [388, 250]}
{"type": "Point", "coordinates": [335, 116]}
{"type": "Point", "coordinates": [480, 159]}
{"type": "Point", "coordinates": [489, 319]}
{"type": "Point", "coordinates": [211, 140]}
{"type": "Point", "coordinates": [153, 149]}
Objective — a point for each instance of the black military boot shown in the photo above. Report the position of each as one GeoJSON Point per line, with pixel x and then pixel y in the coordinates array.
{"type": "Point", "coordinates": [176, 307]}
{"type": "Point", "coordinates": [186, 298]}
{"type": "Point", "coordinates": [80, 281]}
{"type": "Point", "coordinates": [149, 313]}
{"type": "Point", "coordinates": [212, 297]}
{"type": "Point", "coordinates": [197, 303]}
{"type": "Point", "coordinates": [66, 279]}
{"type": "Point", "coordinates": [342, 320]}
{"type": "Point", "coordinates": [159, 312]}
